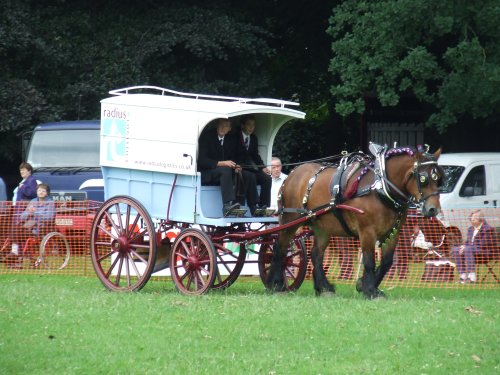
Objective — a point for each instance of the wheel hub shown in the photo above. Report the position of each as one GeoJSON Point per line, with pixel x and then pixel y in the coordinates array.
{"type": "Point", "coordinates": [120, 244]}
{"type": "Point", "coordinates": [193, 263]}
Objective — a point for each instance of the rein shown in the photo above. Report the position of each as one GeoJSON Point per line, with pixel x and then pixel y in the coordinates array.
{"type": "Point", "coordinates": [319, 160]}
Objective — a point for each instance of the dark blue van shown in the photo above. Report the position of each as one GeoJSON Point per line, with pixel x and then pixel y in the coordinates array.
{"type": "Point", "coordinates": [65, 155]}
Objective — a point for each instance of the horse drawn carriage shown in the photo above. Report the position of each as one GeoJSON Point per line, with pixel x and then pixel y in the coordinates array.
{"type": "Point", "coordinates": [149, 147]}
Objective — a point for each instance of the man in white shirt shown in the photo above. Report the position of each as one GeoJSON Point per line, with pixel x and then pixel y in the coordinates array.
{"type": "Point", "coordinates": [278, 178]}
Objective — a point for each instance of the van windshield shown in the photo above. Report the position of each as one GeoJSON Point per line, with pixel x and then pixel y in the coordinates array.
{"type": "Point", "coordinates": [451, 175]}
{"type": "Point", "coordinates": [64, 148]}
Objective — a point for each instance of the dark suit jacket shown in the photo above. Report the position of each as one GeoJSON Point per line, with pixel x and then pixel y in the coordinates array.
{"type": "Point", "coordinates": [485, 239]}
{"type": "Point", "coordinates": [251, 156]}
{"type": "Point", "coordinates": [210, 151]}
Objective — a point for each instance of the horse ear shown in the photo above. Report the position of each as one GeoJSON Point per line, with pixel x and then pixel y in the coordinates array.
{"type": "Point", "coordinates": [437, 154]}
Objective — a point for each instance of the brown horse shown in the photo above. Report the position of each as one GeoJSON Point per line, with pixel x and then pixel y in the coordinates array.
{"type": "Point", "coordinates": [362, 196]}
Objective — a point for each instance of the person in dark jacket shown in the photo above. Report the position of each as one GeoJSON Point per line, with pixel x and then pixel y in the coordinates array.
{"type": "Point", "coordinates": [481, 239]}
{"type": "Point", "coordinates": [255, 172]}
{"type": "Point", "coordinates": [216, 155]}
{"type": "Point", "coordinates": [26, 190]}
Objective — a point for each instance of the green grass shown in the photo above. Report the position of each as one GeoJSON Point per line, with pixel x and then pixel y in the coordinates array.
{"type": "Point", "coordinates": [72, 325]}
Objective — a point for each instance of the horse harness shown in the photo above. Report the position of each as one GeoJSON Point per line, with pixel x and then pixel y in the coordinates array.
{"type": "Point", "coordinates": [385, 189]}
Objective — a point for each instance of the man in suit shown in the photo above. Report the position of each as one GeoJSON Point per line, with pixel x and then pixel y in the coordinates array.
{"type": "Point", "coordinates": [255, 172]}
{"type": "Point", "coordinates": [216, 154]}
{"type": "Point", "coordinates": [480, 240]}
{"type": "Point", "coordinates": [278, 177]}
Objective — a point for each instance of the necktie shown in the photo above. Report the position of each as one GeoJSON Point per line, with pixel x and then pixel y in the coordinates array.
{"type": "Point", "coordinates": [247, 141]}
{"type": "Point", "coordinates": [221, 141]}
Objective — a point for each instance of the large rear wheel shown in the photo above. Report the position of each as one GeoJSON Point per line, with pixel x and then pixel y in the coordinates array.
{"type": "Point", "coordinates": [193, 263]}
{"type": "Point", "coordinates": [123, 244]}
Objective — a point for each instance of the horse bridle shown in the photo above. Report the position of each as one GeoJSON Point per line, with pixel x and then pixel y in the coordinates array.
{"type": "Point", "coordinates": [422, 179]}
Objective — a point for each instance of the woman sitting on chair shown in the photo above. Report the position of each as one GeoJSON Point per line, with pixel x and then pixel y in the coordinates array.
{"type": "Point", "coordinates": [41, 211]}
{"type": "Point", "coordinates": [35, 220]}
{"type": "Point", "coordinates": [480, 240]}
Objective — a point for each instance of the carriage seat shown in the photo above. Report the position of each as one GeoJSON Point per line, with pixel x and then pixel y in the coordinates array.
{"type": "Point", "coordinates": [211, 200]}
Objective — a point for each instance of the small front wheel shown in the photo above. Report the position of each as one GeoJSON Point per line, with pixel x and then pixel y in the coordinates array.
{"type": "Point", "coordinates": [193, 263]}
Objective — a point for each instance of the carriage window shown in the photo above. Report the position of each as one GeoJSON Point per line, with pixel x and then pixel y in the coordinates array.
{"type": "Point", "coordinates": [451, 175]}
{"type": "Point", "coordinates": [475, 183]}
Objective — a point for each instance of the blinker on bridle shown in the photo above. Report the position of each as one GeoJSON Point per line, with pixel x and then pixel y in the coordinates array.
{"type": "Point", "coordinates": [422, 178]}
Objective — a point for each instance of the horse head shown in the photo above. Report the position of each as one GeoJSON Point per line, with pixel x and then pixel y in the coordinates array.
{"type": "Point", "coordinates": [424, 180]}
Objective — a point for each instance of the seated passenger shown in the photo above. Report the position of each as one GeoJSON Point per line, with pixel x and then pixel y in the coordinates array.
{"type": "Point", "coordinates": [41, 211]}
{"type": "Point", "coordinates": [278, 177]}
{"type": "Point", "coordinates": [480, 240]}
{"type": "Point", "coordinates": [216, 155]}
{"type": "Point", "coordinates": [35, 220]}
{"type": "Point", "coordinates": [254, 171]}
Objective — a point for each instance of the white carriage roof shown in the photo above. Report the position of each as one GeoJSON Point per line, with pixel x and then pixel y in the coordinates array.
{"type": "Point", "coordinates": [220, 106]}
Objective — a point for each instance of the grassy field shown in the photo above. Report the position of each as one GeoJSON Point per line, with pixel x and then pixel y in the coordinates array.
{"type": "Point", "coordinates": [72, 325]}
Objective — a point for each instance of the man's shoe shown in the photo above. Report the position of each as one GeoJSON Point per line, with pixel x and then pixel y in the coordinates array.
{"type": "Point", "coordinates": [260, 210]}
{"type": "Point", "coordinates": [228, 207]}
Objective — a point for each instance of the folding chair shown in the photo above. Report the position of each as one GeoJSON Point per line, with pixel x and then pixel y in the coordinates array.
{"type": "Point", "coordinates": [490, 261]}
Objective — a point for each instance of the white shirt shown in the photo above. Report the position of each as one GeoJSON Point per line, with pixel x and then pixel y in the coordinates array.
{"type": "Point", "coordinates": [476, 231]}
{"type": "Point", "coordinates": [275, 188]}
{"type": "Point", "coordinates": [245, 136]}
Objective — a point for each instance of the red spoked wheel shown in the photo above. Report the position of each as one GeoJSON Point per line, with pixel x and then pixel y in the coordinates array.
{"type": "Point", "coordinates": [294, 263]}
{"type": "Point", "coordinates": [229, 264]}
{"type": "Point", "coordinates": [123, 244]}
{"type": "Point", "coordinates": [193, 263]}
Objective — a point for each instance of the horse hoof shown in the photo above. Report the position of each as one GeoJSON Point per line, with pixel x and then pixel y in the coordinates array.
{"type": "Point", "coordinates": [276, 289]}
{"type": "Point", "coordinates": [359, 285]}
{"type": "Point", "coordinates": [376, 294]}
{"type": "Point", "coordinates": [379, 294]}
{"type": "Point", "coordinates": [327, 294]}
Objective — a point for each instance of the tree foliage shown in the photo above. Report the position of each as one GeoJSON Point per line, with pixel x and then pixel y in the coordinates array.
{"type": "Point", "coordinates": [60, 58]}
{"type": "Point", "coordinates": [445, 53]}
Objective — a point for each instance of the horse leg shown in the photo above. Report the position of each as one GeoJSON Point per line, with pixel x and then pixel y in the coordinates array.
{"type": "Point", "coordinates": [368, 282]}
{"type": "Point", "coordinates": [275, 279]}
{"type": "Point", "coordinates": [385, 265]}
{"type": "Point", "coordinates": [321, 283]}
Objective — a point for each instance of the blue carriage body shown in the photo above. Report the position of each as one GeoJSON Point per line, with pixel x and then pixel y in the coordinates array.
{"type": "Point", "coordinates": [149, 148]}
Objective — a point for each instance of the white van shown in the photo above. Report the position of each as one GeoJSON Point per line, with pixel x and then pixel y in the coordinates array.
{"type": "Point", "coordinates": [472, 180]}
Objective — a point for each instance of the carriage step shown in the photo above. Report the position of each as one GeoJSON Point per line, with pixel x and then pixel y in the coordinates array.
{"type": "Point", "coordinates": [236, 212]}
